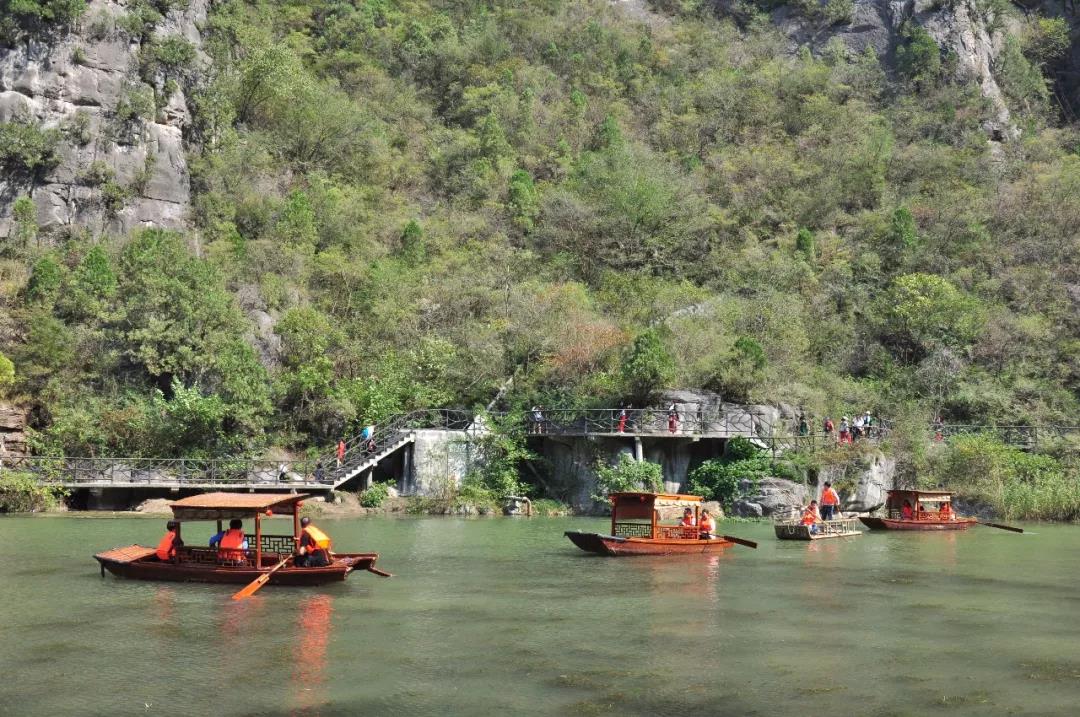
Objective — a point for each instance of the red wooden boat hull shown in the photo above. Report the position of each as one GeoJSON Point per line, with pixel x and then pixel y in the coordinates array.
{"type": "Point", "coordinates": [152, 569]}
{"type": "Point", "coordinates": [894, 524]}
{"type": "Point", "coordinates": [611, 545]}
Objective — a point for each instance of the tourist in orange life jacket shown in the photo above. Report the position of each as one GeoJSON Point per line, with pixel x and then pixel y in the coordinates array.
{"type": "Point", "coordinates": [830, 502]}
{"type": "Point", "coordinates": [231, 543]}
{"type": "Point", "coordinates": [708, 525]}
{"type": "Point", "coordinates": [166, 548]}
{"type": "Point", "coordinates": [905, 511]}
{"type": "Point", "coordinates": [687, 518]}
{"type": "Point", "coordinates": [810, 516]}
{"type": "Point", "coordinates": [314, 547]}
{"type": "Point", "coordinates": [946, 511]}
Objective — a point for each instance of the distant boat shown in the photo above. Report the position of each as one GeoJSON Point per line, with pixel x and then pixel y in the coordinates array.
{"type": "Point", "coordinates": [930, 510]}
{"type": "Point", "coordinates": [203, 564]}
{"type": "Point", "coordinates": [636, 528]}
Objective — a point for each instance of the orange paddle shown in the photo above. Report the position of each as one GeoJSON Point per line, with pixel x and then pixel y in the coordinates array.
{"type": "Point", "coordinates": [258, 582]}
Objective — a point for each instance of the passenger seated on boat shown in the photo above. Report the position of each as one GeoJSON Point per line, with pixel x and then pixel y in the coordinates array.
{"type": "Point", "coordinates": [687, 518]}
{"type": "Point", "coordinates": [231, 544]}
{"type": "Point", "coordinates": [905, 511]}
{"type": "Point", "coordinates": [810, 516]}
{"type": "Point", "coordinates": [166, 548]}
{"type": "Point", "coordinates": [314, 547]}
{"type": "Point", "coordinates": [946, 512]}
{"type": "Point", "coordinates": [708, 526]}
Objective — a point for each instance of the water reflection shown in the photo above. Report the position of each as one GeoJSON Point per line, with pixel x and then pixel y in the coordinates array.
{"type": "Point", "coordinates": [309, 673]}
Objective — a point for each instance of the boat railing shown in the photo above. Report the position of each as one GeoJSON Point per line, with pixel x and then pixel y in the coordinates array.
{"type": "Point", "coordinates": [922, 515]}
{"type": "Point", "coordinates": [677, 532]}
{"type": "Point", "coordinates": [628, 529]}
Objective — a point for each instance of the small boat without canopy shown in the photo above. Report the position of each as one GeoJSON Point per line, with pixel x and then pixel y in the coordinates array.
{"type": "Point", "coordinates": [790, 527]}
{"type": "Point", "coordinates": [930, 510]}
{"type": "Point", "coordinates": [204, 564]}
{"type": "Point", "coordinates": [636, 528]}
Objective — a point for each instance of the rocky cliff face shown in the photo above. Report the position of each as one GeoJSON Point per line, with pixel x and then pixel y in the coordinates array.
{"type": "Point", "coordinates": [958, 27]}
{"type": "Point", "coordinates": [121, 157]}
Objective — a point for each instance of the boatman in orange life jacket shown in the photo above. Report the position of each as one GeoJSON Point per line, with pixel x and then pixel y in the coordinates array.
{"type": "Point", "coordinates": [708, 526]}
{"type": "Point", "coordinates": [830, 502]}
{"type": "Point", "coordinates": [166, 548]}
{"type": "Point", "coordinates": [314, 546]}
{"type": "Point", "coordinates": [810, 516]}
{"type": "Point", "coordinates": [231, 543]}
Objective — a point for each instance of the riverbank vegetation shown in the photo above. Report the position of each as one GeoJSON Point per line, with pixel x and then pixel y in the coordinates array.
{"type": "Point", "coordinates": [22, 493]}
{"type": "Point", "coordinates": [402, 205]}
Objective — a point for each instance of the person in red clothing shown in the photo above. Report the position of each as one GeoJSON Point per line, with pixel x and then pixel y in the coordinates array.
{"type": "Point", "coordinates": [708, 526]}
{"type": "Point", "coordinates": [810, 516]}
{"type": "Point", "coordinates": [905, 511]}
{"type": "Point", "coordinates": [167, 546]}
{"type": "Point", "coordinates": [946, 512]}
{"type": "Point", "coordinates": [830, 502]}
{"type": "Point", "coordinates": [340, 453]}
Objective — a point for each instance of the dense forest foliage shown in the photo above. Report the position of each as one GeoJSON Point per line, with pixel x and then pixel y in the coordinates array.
{"type": "Point", "coordinates": [426, 198]}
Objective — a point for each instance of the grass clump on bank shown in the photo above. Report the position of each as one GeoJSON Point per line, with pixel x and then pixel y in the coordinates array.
{"type": "Point", "coordinates": [22, 493]}
{"type": "Point", "coordinates": [1015, 483]}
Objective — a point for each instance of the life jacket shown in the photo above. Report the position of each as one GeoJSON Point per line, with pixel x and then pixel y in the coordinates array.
{"type": "Point", "coordinates": [829, 497]}
{"type": "Point", "coordinates": [809, 516]}
{"type": "Point", "coordinates": [906, 513]}
{"type": "Point", "coordinates": [945, 512]}
{"type": "Point", "coordinates": [166, 548]}
{"type": "Point", "coordinates": [231, 546]}
{"type": "Point", "coordinates": [318, 539]}
{"type": "Point", "coordinates": [708, 525]}
{"type": "Point", "coordinates": [687, 521]}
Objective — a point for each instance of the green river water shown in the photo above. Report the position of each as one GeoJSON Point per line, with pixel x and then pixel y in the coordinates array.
{"type": "Point", "coordinates": [505, 615]}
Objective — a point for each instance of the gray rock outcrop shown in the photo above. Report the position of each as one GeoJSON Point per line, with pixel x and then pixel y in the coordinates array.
{"type": "Point", "coordinates": [85, 84]}
{"type": "Point", "coordinates": [877, 24]}
{"type": "Point", "coordinates": [772, 495]}
{"type": "Point", "coordinates": [863, 484]}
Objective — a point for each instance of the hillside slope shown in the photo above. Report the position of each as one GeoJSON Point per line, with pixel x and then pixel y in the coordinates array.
{"type": "Point", "coordinates": [403, 204]}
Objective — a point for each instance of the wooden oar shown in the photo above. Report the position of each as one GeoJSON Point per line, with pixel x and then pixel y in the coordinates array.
{"type": "Point", "coordinates": [740, 541]}
{"type": "Point", "coordinates": [380, 573]}
{"type": "Point", "coordinates": [258, 582]}
{"type": "Point", "coordinates": [1003, 527]}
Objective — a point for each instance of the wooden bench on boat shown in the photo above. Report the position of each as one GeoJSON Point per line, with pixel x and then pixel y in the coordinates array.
{"type": "Point", "coordinates": [206, 564]}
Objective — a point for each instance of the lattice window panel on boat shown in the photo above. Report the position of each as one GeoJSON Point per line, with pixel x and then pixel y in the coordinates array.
{"type": "Point", "coordinates": [277, 543]}
{"type": "Point", "coordinates": [209, 556]}
{"type": "Point", "coordinates": [633, 530]}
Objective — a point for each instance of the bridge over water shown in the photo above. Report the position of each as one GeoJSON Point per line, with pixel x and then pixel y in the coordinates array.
{"type": "Point", "coordinates": [393, 447]}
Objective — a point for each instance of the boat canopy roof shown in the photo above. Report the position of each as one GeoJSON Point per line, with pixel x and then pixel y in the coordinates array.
{"type": "Point", "coordinates": [220, 506]}
{"type": "Point", "coordinates": [930, 496]}
{"type": "Point", "coordinates": [656, 498]}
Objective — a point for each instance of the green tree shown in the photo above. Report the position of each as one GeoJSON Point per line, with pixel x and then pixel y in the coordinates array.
{"type": "Point", "coordinates": [7, 375]}
{"type": "Point", "coordinates": [627, 475]}
{"type": "Point", "coordinates": [648, 365]}
{"type": "Point", "coordinates": [918, 57]}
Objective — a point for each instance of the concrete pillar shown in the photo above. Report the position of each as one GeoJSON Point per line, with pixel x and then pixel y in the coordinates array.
{"type": "Point", "coordinates": [369, 477]}
{"type": "Point", "coordinates": [639, 450]}
{"type": "Point", "coordinates": [406, 470]}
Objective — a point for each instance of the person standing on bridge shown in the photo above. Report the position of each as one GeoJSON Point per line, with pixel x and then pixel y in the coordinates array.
{"type": "Point", "coordinates": [673, 419]}
{"type": "Point", "coordinates": [622, 419]}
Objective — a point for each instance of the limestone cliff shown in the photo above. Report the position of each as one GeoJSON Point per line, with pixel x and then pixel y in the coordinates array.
{"type": "Point", "coordinates": [960, 28]}
{"type": "Point", "coordinates": [121, 115]}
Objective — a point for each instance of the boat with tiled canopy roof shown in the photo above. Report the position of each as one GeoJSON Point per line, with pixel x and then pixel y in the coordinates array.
{"type": "Point", "coordinates": [636, 528]}
{"type": "Point", "coordinates": [204, 564]}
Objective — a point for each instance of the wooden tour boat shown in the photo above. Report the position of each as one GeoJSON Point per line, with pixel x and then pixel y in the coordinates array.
{"type": "Point", "coordinates": [930, 510]}
{"type": "Point", "coordinates": [203, 564]}
{"type": "Point", "coordinates": [790, 527]}
{"type": "Point", "coordinates": [636, 528]}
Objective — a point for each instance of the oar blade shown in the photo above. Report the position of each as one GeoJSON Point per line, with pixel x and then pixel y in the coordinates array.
{"type": "Point", "coordinates": [740, 541]}
{"type": "Point", "coordinates": [1002, 527]}
{"type": "Point", "coordinates": [252, 587]}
